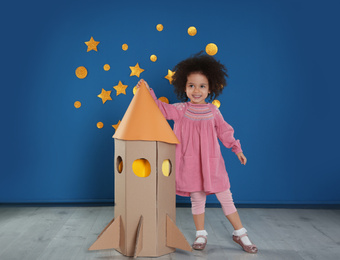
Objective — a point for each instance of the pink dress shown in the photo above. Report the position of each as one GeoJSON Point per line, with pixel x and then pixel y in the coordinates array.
{"type": "Point", "coordinates": [199, 162]}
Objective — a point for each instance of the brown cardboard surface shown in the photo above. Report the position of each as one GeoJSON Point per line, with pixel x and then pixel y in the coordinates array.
{"type": "Point", "coordinates": [120, 183]}
{"type": "Point", "coordinates": [137, 195]}
{"type": "Point", "coordinates": [144, 121]}
{"type": "Point", "coordinates": [174, 237]}
{"type": "Point", "coordinates": [166, 197]}
{"type": "Point", "coordinates": [109, 238]}
{"type": "Point", "coordinates": [152, 197]}
{"type": "Point", "coordinates": [146, 206]}
{"type": "Point", "coordinates": [106, 227]}
{"type": "Point", "coordinates": [139, 240]}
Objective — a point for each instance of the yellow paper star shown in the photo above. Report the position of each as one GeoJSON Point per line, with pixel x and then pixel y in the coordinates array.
{"type": "Point", "coordinates": [105, 95]}
{"type": "Point", "coordinates": [120, 88]}
{"type": "Point", "coordinates": [169, 76]}
{"type": "Point", "coordinates": [136, 70]}
{"type": "Point", "coordinates": [116, 126]}
{"type": "Point", "coordinates": [91, 45]}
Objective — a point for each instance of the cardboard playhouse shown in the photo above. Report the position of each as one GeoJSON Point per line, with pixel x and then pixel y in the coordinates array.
{"type": "Point", "coordinates": [145, 199]}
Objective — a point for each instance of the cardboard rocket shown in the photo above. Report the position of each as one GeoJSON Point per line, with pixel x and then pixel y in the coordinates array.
{"type": "Point", "coordinates": [145, 209]}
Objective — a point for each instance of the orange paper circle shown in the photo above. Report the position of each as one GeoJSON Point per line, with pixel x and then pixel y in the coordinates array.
{"type": "Point", "coordinates": [77, 104]}
{"type": "Point", "coordinates": [153, 58]}
{"type": "Point", "coordinates": [216, 103]}
{"type": "Point", "coordinates": [125, 47]}
{"type": "Point", "coordinates": [106, 67]}
{"type": "Point", "coordinates": [211, 49]}
{"type": "Point", "coordinates": [100, 125]}
{"type": "Point", "coordinates": [134, 90]}
{"type": "Point", "coordinates": [81, 72]}
{"type": "Point", "coordinates": [164, 99]}
{"type": "Point", "coordinates": [192, 31]}
{"type": "Point", "coordinates": [159, 27]}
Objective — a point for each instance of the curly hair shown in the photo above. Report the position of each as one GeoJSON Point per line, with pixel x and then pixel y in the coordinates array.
{"type": "Point", "coordinates": [204, 64]}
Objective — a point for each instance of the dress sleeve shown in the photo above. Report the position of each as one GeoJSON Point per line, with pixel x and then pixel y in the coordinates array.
{"type": "Point", "coordinates": [169, 111]}
{"type": "Point", "coordinates": [225, 133]}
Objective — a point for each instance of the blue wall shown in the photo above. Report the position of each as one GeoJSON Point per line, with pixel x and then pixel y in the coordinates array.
{"type": "Point", "coordinates": [282, 98]}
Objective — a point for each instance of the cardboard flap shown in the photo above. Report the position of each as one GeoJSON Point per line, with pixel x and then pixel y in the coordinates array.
{"type": "Point", "coordinates": [109, 237]}
{"type": "Point", "coordinates": [174, 237]}
{"type": "Point", "coordinates": [139, 237]}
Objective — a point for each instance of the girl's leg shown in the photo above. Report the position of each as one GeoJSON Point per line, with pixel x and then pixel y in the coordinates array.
{"type": "Point", "coordinates": [199, 221]}
{"type": "Point", "coordinates": [229, 209]}
{"type": "Point", "coordinates": [235, 220]}
{"type": "Point", "coordinates": [240, 233]}
{"type": "Point", "coordinates": [198, 208]}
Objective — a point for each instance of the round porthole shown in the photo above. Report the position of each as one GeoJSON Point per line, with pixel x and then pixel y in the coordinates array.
{"type": "Point", "coordinates": [119, 164]}
{"type": "Point", "coordinates": [166, 168]}
{"type": "Point", "coordinates": [141, 168]}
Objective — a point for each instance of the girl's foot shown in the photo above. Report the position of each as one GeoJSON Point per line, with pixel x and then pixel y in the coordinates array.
{"type": "Point", "coordinates": [240, 237]}
{"type": "Point", "coordinates": [201, 240]}
{"type": "Point", "coordinates": [248, 248]}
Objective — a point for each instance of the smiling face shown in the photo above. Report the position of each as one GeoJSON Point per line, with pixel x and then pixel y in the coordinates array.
{"type": "Point", "coordinates": [197, 88]}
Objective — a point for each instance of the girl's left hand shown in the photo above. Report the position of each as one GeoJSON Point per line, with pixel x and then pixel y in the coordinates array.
{"type": "Point", "coordinates": [146, 84]}
{"type": "Point", "coordinates": [242, 158]}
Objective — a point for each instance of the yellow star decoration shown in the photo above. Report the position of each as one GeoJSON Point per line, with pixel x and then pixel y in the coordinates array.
{"type": "Point", "coordinates": [120, 88]}
{"type": "Point", "coordinates": [92, 45]}
{"type": "Point", "coordinates": [136, 70]}
{"type": "Point", "coordinates": [116, 126]}
{"type": "Point", "coordinates": [105, 95]}
{"type": "Point", "coordinates": [169, 76]}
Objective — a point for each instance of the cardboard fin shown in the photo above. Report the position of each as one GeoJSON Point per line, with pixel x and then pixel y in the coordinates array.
{"type": "Point", "coordinates": [109, 237]}
{"type": "Point", "coordinates": [106, 227]}
{"type": "Point", "coordinates": [139, 238]}
{"type": "Point", "coordinates": [174, 237]}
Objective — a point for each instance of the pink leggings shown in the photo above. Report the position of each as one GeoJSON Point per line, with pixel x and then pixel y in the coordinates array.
{"type": "Point", "coordinates": [198, 199]}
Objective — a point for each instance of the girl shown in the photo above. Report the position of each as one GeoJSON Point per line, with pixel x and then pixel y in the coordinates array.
{"type": "Point", "coordinates": [200, 168]}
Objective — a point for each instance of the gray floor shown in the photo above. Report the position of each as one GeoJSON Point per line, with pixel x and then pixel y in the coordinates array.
{"type": "Point", "coordinates": [48, 233]}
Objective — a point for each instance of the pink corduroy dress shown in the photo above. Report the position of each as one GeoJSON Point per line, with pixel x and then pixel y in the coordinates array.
{"type": "Point", "coordinates": [199, 162]}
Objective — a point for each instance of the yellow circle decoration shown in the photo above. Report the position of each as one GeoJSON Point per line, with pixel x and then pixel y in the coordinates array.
{"type": "Point", "coordinates": [164, 99]}
{"type": "Point", "coordinates": [166, 168]}
{"type": "Point", "coordinates": [100, 125]}
{"type": "Point", "coordinates": [106, 67]}
{"type": "Point", "coordinates": [119, 163]}
{"type": "Point", "coordinates": [159, 27]}
{"type": "Point", "coordinates": [120, 167]}
{"type": "Point", "coordinates": [192, 31]}
{"type": "Point", "coordinates": [211, 49]}
{"type": "Point", "coordinates": [216, 103]}
{"type": "Point", "coordinates": [153, 57]}
{"type": "Point", "coordinates": [81, 72]}
{"type": "Point", "coordinates": [77, 104]}
{"type": "Point", "coordinates": [125, 47]}
{"type": "Point", "coordinates": [134, 90]}
{"type": "Point", "coordinates": [141, 167]}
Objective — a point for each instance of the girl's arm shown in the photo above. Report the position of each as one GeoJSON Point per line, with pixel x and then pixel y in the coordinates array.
{"type": "Point", "coordinates": [170, 112]}
{"type": "Point", "coordinates": [225, 133]}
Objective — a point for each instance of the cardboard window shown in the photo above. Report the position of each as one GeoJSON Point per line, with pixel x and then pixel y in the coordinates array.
{"type": "Point", "coordinates": [141, 167]}
{"type": "Point", "coordinates": [119, 164]}
{"type": "Point", "coordinates": [166, 168]}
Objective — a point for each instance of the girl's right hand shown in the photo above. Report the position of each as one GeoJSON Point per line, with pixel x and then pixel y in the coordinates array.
{"type": "Point", "coordinates": [146, 84]}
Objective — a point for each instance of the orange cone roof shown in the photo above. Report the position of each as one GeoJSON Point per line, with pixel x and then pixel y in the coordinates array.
{"type": "Point", "coordinates": [144, 121]}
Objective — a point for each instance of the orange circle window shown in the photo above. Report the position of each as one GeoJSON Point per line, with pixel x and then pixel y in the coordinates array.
{"type": "Point", "coordinates": [141, 168]}
{"type": "Point", "coordinates": [166, 168]}
{"type": "Point", "coordinates": [119, 164]}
